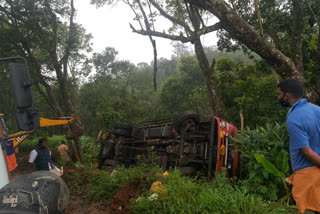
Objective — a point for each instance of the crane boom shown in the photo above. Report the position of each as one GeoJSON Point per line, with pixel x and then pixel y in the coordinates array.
{"type": "Point", "coordinates": [44, 122]}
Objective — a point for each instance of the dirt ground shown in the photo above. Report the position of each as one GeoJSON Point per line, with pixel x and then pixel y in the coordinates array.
{"type": "Point", "coordinates": [78, 201]}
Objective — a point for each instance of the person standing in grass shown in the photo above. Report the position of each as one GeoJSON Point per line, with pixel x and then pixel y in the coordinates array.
{"type": "Point", "coordinates": [64, 152]}
{"type": "Point", "coordinates": [303, 124]}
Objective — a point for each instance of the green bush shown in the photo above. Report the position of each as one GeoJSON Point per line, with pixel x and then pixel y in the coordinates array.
{"type": "Point", "coordinates": [87, 144]}
{"type": "Point", "coordinates": [269, 143]}
{"type": "Point", "coordinates": [191, 195]}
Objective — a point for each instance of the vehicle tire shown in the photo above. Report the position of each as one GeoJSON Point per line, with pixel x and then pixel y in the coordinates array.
{"type": "Point", "coordinates": [181, 119]}
{"type": "Point", "coordinates": [122, 132]}
{"type": "Point", "coordinates": [123, 126]}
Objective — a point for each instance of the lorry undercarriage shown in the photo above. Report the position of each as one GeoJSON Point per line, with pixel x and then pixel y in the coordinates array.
{"type": "Point", "coordinates": [185, 142]}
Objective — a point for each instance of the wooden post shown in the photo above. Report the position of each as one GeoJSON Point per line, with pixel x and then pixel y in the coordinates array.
{"type": "Point", "coordinates": [240, 158]}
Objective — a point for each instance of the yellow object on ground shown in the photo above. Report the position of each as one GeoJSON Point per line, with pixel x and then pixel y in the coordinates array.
{"type": "Point", "coordinates": [165, 174]}
{"type": "Point", "coordinates": [158, 187]}
{"type": "Point", "coordinates": [306, 188]}
{"type": "Point", "coordinates": [96, 164]}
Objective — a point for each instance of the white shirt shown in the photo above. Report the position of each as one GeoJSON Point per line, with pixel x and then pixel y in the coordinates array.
{"type": "Point", "coordinates": [33, 156]}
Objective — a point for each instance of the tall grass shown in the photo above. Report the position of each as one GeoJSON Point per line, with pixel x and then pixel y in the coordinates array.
{"type": "Point", "coordinates": [191, 195]}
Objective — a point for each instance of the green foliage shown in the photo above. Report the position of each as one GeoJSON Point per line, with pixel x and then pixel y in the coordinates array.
{"type": "Point", "coordinates": [265, 160]}
{"type": "Point", "coordinates": [186, 91]}
{"type": "Point", "coordinates": [249, 89]}
{"type": "Point", "coordinates": [105, 184]}
{"type": "Point", "coordinates": [102, 185]}
{"type": "Point", "coordinates": [28, 145]}
{"type": "Point", "coordinates": [110, 117]}
{"type": "Point", "coordinates": [87, 144]}
{"type": "Point", "coordinates": [191, 195]}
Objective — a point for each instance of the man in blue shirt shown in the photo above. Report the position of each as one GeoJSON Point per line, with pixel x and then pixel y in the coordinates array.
{"type": "Point", "coordinates": [303, 123]}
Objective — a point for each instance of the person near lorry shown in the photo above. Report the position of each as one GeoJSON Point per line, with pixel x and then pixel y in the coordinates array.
{"type": "Point", "coordinates": [11, 157]}
{"type": "Point", "coordinates": [41, 155]}
{"type": "Point", "coordinates": [303, 124]}
{"type": "Point", "coordinates": [64, 152]}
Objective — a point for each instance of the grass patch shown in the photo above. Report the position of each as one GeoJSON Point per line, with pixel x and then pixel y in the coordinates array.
{"type": "Point", "coordinates": [192, 195]}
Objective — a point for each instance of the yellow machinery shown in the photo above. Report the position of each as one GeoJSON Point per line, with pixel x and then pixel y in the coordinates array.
{"type": "Point", "coordinates": [44, 122]}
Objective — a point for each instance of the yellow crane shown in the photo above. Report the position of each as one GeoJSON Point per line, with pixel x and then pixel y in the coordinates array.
{"type": "Point", "coordinates": [44, 122]}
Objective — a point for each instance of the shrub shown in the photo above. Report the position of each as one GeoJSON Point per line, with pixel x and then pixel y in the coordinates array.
{"type": "Point", "coordinates": [263, 145]}
{"type": "Point", "coordinates": [191, 195]}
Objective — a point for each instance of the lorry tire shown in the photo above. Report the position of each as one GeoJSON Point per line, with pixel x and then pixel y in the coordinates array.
{"type": "Point", "coordinates": [122, 132]}
{"type": "Point", "coordinates": [180, 120]}
{"type": "Point", "coordinates": [123, 126]}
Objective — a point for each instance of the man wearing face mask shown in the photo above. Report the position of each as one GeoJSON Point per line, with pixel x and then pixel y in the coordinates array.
{"type": "Point", "coordinates": [303, 124]}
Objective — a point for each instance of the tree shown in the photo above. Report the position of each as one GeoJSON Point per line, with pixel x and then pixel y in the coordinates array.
{"type": "Point", "coordinates": [240, 30]}
{"type": "Point", "coordinates": [186, 90]}
{"type": "Point", "coordinates": [45, 34]}
{"type": "Point", "coordinates": [249, 88]}
{"type": "Point", "coordinates": [187, 26]}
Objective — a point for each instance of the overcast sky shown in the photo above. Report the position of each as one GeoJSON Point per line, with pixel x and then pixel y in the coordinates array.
{"type": "Point", "coordinates": [110, 28]}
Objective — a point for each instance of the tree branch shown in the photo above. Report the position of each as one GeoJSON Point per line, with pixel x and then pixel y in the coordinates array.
{"type": "Point", "coordinates": [244, 33]}
{"type": "Point", "coordinates": [211, 28]}
{"type": "Point", "coordinates": [172, 19]}
{"type": "Point", "coordinates": [162, 35]}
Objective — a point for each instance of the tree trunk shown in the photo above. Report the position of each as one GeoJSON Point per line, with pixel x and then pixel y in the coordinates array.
{"type": "Point", "coordinates": [64, 81]}
{"type": "Point", "coordinates": [63, 77]}
{"type": "Point", "coordinates": [153, 42]}
{"type": "Point", "coordinates": [297, 29]}
{"type": "Point", "coordinates": [155, 63]}
{"type": "Point", "coordinates": [215, 99]}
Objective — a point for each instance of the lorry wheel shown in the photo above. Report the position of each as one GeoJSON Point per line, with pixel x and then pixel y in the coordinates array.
{"type": "Point", "coordinates": [123, 126]}
{"type": "Point", "coordinates": [186, 118]}
{"type": "Point", "coordinates": [122, 132]}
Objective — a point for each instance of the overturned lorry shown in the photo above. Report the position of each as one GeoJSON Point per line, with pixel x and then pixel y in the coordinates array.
{"type": "Point", "coordinates": [184, 142]}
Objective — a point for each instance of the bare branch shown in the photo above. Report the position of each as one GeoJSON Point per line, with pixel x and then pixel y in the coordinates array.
{"type": "Point", "coordinates": [134, 11]}
{"type": "Point", "coordinates": [162, 35]}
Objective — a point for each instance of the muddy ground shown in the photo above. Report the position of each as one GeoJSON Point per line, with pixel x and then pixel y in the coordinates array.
{"type": "Point", "coordinates": [78, 201]}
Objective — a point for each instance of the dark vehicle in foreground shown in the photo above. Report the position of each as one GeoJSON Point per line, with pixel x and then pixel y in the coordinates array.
{"type": "Point", "coordinates": [185, 142]}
